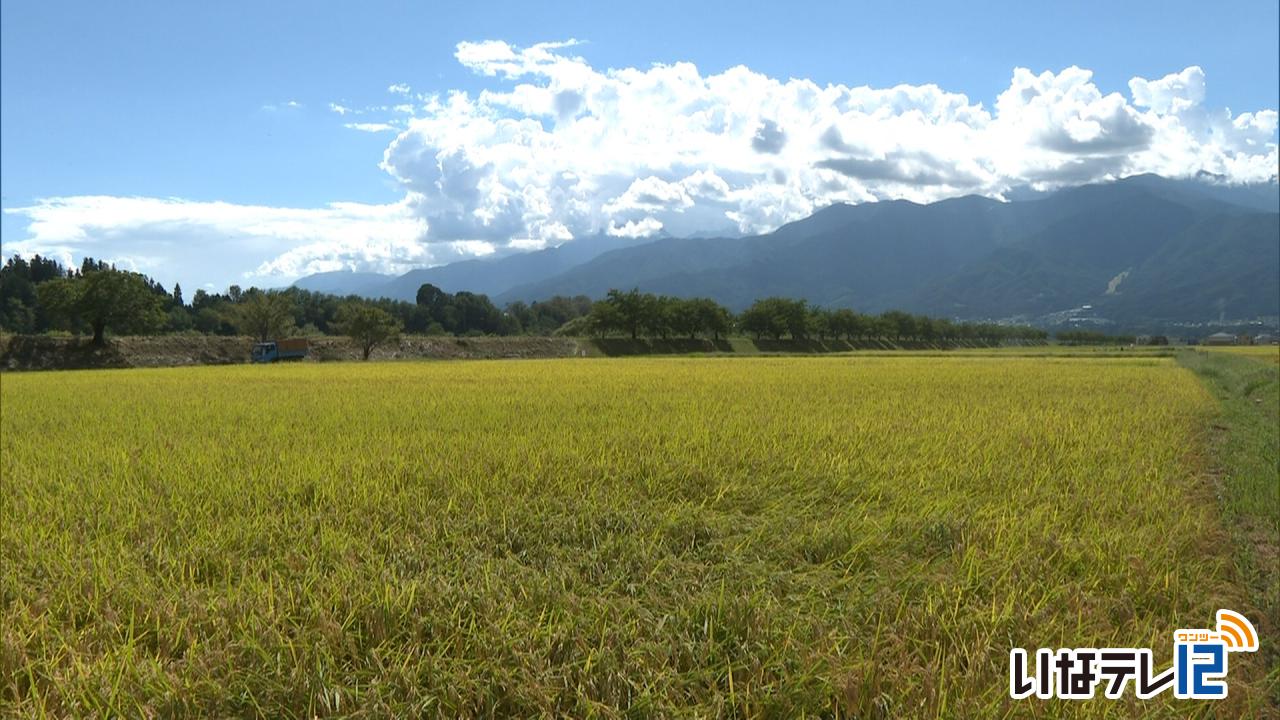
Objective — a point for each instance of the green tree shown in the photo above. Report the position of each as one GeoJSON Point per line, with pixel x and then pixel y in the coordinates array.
{"type": "Point", "coordinates": [663, 314]}
{"type": "Point", "coordinates": [367, 325]}
{"type": "Point", "coordinates": [713, 317]}
{"type": "Point", "coordinates": [822, 323]}
{"type": "Point", "coordinates": [901, 325]}
{"type": "Point", "coordinates": [210, 321]}
{"type": "Point", "coordinates": [845, 322]}
{"type": "Point", "coordinates": [475, 313]}
{"type": "Point", "coordinates": [683, 318]}
{"type": "Point", "coordinates": [925, 328]}
{"type": "Point", "coordinates": [20, 310]}
{"type": "Point", "coordinates": [201, 300]}
{"type": "Point", "coordinates": [944, 329]}
{"type": "Point", "coordinates": [632, 308]}
{"type": "Point", "coordinates": [774, 316]}
{"type": "Point", "coordinates": [521, 316]}
{"type": "Point", "coordinates": [765, 317]}
{"type": "Point", "coordinates": [544, 317]}
{"type": "Point", "coordinates": [104, 298]}
{"type": "Point", "coordinates": [264, 315]}
{"type": "Point", "coordinates": [603, 319]}
{"type": "Point", "coordinates": [435, 300]}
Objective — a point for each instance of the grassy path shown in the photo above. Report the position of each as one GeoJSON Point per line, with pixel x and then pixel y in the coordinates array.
{"type": "Point", "coordinates": [1245, 445]}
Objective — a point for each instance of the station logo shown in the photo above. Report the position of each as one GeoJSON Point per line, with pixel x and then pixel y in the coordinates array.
{"type": "Point", "coordinates": [1198, 672]}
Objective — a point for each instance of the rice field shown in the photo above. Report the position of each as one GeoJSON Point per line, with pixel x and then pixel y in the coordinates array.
{"type": "Point", "coordinates": [840, 536]}
{"type": "Point", "coordinates": [1261, 353]}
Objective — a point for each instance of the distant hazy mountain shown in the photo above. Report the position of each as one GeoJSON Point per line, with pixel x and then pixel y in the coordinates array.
{"type": "Point", "coordinates": [837, 256]}
{"type": "Point", "coordinates": [1143, 247]}
{"type": "Point", "coordinates": [1221, 266]}
{"type": "Point", "coordinates": [488, 276]}
{"type": "Point", "coordinates": [1258, 196]}
{"type": "Point", "coordinates": [343, 282]}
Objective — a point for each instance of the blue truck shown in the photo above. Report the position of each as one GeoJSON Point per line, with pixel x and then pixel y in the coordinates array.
{"type": "Point", "coordinates": [276, 350]}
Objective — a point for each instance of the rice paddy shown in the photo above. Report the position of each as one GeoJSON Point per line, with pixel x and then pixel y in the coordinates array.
{"type": "Point", "coordinates": [840, 536]}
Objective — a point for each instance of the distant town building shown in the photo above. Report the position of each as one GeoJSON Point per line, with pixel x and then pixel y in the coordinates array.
{"type": "Point", "coordinates": [1266, 339]}
{"type": "Point", "coordinates": [1221, 339]}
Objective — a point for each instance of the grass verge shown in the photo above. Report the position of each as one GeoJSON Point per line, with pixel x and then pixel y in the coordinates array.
{"type": "Point", "coordinates": [1245, 447]}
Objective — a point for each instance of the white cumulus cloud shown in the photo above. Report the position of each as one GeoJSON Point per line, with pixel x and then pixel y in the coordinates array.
{"type": "Point", "coordinates": [195, 242]}
{"type": "Point", "coordinates": [553, 149]}
{"type": "Point", "coordinates": [376, 127]}
{"type": "Point", "coordinates": [633, 228]}
{"type": "Point", "coordinates": [555, 139]}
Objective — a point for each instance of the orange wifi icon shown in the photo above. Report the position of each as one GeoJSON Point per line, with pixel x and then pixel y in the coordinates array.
{"type": "Point", "coordinates": [1237, 632]}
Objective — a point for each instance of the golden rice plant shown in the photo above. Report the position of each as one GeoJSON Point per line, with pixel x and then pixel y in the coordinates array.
{"type": "Point", "coordinates": [851, 536]}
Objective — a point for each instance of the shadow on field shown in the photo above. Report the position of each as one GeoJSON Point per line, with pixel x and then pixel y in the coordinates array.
{"type": "Point", "coordinates": [617, 347]}
{"type": "Point", "coordinates": [53, 353]}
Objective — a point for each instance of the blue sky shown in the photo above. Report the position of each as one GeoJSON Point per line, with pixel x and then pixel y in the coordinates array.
{"type": "Point", "coordinates": [192, 101]}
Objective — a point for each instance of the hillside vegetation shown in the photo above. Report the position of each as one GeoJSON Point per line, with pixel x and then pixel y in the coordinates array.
{"type": "Point", "coordinates": [1186, 251]}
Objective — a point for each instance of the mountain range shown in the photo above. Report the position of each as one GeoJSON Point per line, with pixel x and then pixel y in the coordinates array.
{"type": "Point", "coordinates": [1144, 248]}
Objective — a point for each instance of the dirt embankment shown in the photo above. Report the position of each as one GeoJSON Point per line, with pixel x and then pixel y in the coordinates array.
{"type": "Point", "coordinates": [19, 352]}
{"type": "Point", "coordinates": [451, 348]}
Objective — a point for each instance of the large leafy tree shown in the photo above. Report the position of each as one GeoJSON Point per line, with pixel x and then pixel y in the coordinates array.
{"type": "Point", "coordinates": [682, 317]}
{"type": "Point", "coordinates": [774, 316]}
{"type": "Point", "coordinates": [900, 324]}
{"type": "Point", "coordinates": [103, 298]}
{"type": "Point", "coordinates": [603, 319]}
{"type": "Point", "coordinates": [264, 315]}
{"type": "Point", "coordinates": [367, 325]}
{"type": "Point", "coordinates": [631, 309]}
{"type": "Point", "coordinates": [712, 316]}
{"type": "Point", "coordinates": [475, 313]}
{"type": "Point", "coordinates": [466, 312]}
{"type": "Point", "coordinates": [762, 319]}
{"type": "Point", "coordinates": [436, 301]}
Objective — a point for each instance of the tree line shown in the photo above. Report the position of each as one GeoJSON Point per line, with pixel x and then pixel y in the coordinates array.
{"type": "Point", "coordinates": [1093, 337]}
{"type": "Point", "coordinates": [635, 314]}
{"type": "Point", "coordinates": [41, 295]}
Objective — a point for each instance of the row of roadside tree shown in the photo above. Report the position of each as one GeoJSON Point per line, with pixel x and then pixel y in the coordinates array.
{"type": "Point", "coordinates": [636, 314]}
